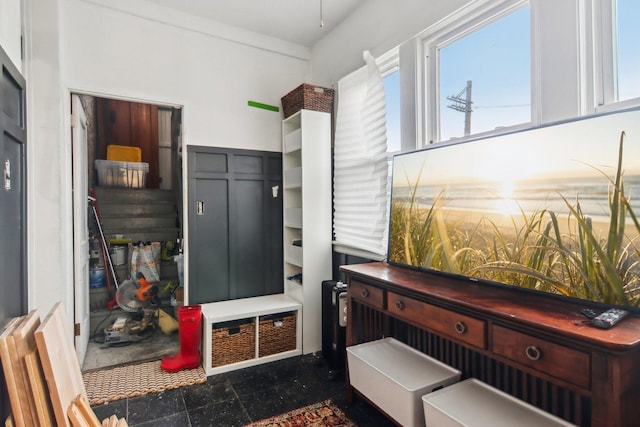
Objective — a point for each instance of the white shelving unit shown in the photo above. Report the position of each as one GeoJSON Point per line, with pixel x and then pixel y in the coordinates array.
{"type": "Point", "coordinates": [306, 161]}
{"type": "Point", "coordinates": [250, 309]}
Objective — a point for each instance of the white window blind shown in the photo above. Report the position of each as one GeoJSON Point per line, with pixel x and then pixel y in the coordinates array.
{"type": "Point", "coordinates": [360, 161]}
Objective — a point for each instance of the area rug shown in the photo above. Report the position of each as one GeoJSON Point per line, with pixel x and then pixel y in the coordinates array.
{"type": "Point", "coordinates": [136, 380]}
{"type": "Point", "coordinates": [317, 415]}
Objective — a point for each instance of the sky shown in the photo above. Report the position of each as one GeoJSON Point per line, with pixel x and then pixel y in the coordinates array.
{"type": "Point", "coordinates": [628, 49]}
{"type": "Point", "coordinates": [499, 68]}
{"type": "Point", "coordinates": [392, 95]}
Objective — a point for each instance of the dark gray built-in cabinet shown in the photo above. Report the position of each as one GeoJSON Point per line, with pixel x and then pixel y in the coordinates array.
{"type": "Point", "coordinates": [13, 201]}
{"type": "Point", "coordinates": [235, 223]}
{"type": "Point", "coordinates": [13, 244]}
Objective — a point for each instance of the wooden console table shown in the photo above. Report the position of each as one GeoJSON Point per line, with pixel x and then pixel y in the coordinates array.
{"type": "Point", "coordinates": [523, 343]}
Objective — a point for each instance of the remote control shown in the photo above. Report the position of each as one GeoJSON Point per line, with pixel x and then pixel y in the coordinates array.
{"type": "Point", "coordinates": [589, 313]}
{"type": "Point", "coordinates": [609, 318]}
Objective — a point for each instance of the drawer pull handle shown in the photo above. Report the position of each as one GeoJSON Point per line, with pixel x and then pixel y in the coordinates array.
{"type": "Point", "coordinates": [399, 305]}
{"type": "Point", "coordinates": [364, 293]}
{"type": "Point", "coordinates": [533, 352]}
{"type": "Point", "coordinates": [460, 327]}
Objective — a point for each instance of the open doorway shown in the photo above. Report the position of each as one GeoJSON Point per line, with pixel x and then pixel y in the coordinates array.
{"type": "Point", "coordinates": [138, 205]}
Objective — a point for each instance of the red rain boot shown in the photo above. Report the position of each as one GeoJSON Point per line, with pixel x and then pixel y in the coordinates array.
{"type": "Point", "coordinates": [189, 321]}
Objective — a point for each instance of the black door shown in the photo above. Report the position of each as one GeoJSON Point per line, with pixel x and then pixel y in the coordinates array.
{"type": "Point", "coordinates": [235, 224]}
{"type": "Point", "coordinates": [13, 258]}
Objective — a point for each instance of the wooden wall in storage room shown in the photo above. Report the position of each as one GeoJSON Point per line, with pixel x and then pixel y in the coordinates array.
{"type": "Point", "coordinates": [132, 124]}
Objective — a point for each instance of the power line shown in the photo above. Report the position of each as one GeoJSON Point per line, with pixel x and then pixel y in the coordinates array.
{"type": "Point", "coordinates": [503, 106]}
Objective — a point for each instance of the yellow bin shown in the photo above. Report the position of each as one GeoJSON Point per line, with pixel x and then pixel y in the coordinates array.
{"type": "Point", "coordinates": [124, 153]}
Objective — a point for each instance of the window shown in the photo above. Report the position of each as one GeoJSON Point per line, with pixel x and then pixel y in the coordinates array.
{"type": "Point", "coordinates": [618, 60]}
{"type": "Point", "coordinates": [479, 74]}
{"type": "Point", "coordinates": [627, 49]}
{"type": "Point", "coordinates": [391, 82]}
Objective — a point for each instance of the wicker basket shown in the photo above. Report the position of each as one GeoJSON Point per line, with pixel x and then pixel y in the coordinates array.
{"type": "Point", "coordinates": [308, 97]}
{"type": "Point", "coordinates": [277, 333]}
{"type": "Point", "coordinates": [233, 342]}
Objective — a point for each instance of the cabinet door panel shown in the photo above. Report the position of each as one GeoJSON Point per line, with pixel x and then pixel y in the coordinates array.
{"type": "Point", "coordinates": [237, 228]}
{"type": "Point", "coordinates": [13, 200]}
{"type": "Point", "coordinates": [248, 239]}
{"type": "Point", "coordinates": [13, 151]}
{"type": "Point", "coordinates": [209, 245]}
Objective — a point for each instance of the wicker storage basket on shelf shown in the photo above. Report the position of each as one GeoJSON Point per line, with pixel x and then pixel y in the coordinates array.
{"type": "Point", "coordinates": [233, 342]}
{"type": "Point", "coordinates": [277, 333]}
{"type": "Point", "coordinates": [308, 97]}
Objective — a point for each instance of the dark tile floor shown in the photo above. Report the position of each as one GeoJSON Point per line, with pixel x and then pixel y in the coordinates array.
{"type": "Point", "coordinates": [239, 397]}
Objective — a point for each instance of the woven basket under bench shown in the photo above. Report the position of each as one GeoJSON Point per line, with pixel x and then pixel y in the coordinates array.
{"type": "Point", "coordinates": [277, 333]}
{"type": "Point", "coordinates": [233, 342]}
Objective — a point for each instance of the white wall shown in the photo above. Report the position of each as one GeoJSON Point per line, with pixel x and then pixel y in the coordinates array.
{"type": "Point", "coordinates": [81, 45]}
{"type": "Point", "coordinates": [11, 30]}
{"type": "Point", "coordinates": [111, 51]}
{"type": "Point", "coordinates": [49, 218]}
{"type": "Point", "coordinates": [377, 26]}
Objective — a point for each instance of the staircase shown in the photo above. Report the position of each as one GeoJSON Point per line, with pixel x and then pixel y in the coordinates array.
{"type": "Point", "coordinates": [138, 214]}
{"type": "Point", "coordinates": [142, 215]}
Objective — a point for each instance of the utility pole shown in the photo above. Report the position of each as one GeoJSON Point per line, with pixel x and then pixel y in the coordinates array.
{"type": "Point", "coordinates": [463, 105]}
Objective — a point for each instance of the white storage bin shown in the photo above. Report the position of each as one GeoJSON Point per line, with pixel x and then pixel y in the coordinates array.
{"type": "Point", "coordinates": [474, 403]}
{"type": "Point", "coordinates": [122, 174]}
{"type": "Point", "coordinates": [395, 376]}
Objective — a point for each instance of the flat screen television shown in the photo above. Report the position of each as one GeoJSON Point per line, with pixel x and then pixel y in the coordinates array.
{"type": "Point", "coordinates": [553, 209]}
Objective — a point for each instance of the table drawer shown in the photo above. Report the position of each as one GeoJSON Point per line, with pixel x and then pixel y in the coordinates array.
{"type": "Point", "coordinates": [562, 362]}
{"type": "Point", "coordinates": [366, 293]}
{"type": "Point", "coordinates": [460, 327]}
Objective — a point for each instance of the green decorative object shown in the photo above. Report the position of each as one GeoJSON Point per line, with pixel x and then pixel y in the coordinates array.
{"type": "Point", "coordinates": [263, 106]}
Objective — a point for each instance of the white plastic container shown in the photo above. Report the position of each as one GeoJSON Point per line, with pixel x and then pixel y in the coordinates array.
{"type": "Point", "coordinates": [118, 254]}
{"type": "Point", "coordinates": [122, 174]}
{"type": "Point", "coordinates": [179, 260]}
{"type": "Point", "coordinates": [395, 376]}
{"type": "Point", "coordinates": [474, 403]}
